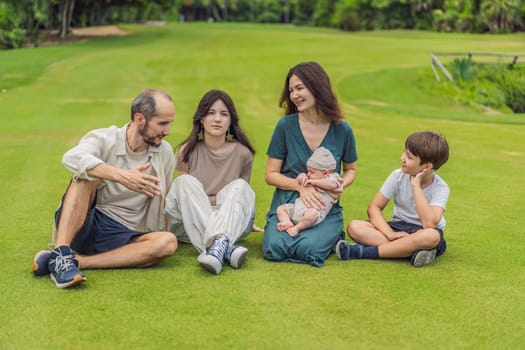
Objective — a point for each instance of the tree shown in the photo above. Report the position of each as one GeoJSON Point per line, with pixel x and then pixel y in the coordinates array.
{"type": "Point", "coordinates": [501, 15]}
{"type": "Point", "coordinates": [66, 14]}
{"type": "Point", "coordinates": [11, 35]}
{"type": "Point", "coordinates": [304, 10]}
{"type": "Point", "coordinates": [323, 12]}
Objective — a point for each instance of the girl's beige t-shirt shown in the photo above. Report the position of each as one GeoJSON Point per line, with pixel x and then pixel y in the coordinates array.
{"type": "Point", "coordinates": [216, 170]}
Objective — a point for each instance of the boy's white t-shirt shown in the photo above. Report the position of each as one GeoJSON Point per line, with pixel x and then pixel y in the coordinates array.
{"type": "Point", "coordinates": [398, 185]}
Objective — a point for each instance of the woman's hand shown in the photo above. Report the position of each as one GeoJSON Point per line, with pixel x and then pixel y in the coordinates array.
{"type": "Point", "coordinates": [310, 197]}
{"type": "Point", "coordinates": [336, 193]}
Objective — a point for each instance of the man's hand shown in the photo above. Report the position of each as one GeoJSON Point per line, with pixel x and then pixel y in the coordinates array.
{"type": "Point", "coordinates": [137, 181]}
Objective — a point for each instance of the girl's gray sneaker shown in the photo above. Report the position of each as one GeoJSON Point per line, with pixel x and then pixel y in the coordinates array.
{"type": "Point", "coordinates": [212, 257]}
{"type": "Point", "coordinates": [236, 255]}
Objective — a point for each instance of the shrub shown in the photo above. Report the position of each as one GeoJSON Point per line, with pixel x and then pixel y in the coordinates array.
{"type": "Point", "coordinates": [514, 88]}
{"type": "Point", "coordinates": [494, 86]}
{"type": "Point", "coordinates": [489, 94]}
{"type": "Point", "coordinates": [462, 69]}
{"type": "Point", "coordinates": [11, 36]}
{"type": "Point", "coordinates": [269, 17]}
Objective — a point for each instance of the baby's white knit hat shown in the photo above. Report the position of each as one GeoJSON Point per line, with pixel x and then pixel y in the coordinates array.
{"type": "Point", "coordinates": [322, 159]}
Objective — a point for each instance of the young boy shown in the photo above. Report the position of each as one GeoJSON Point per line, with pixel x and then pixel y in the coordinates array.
{"type": "Point", "coordinates": [420, 198]}
{"type": "Point", "coordinates": [293, 218]}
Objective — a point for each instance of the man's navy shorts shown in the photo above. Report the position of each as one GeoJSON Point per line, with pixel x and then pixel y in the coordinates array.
{"type": "Point", "coordinates": [99, 233]}
{"type": "Point", "coordinates": [411, 228]}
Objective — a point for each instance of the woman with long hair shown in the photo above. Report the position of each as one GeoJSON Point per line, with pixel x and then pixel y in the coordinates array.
{"type": "Point", "coordinates": [312, 119]}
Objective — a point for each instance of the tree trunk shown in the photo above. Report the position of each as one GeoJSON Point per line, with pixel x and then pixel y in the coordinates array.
{"type": "Point", "coordinates": [66, 13]}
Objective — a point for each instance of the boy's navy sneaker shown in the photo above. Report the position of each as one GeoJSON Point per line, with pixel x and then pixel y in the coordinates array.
{"type": "Point", "coordinates": [212, 257]}
{"type": "Point", "coordinates": [347, 251]}
{"type": "Point", "coordinates": [64, 268]}
{"type": "Point", "coordinates": [40, 263]}
{"type": "Point", "coordinates": [342, 249]}
{"type": "Point", "coordinates": [236, 256]}
{"type": "Point", "coordinates": [423, 257]}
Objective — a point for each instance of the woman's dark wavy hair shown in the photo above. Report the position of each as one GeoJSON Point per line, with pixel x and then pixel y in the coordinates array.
{"type": "Point", "coordinates": [317, 81]}
{"type": "Point", "coordinates": [204, 106]}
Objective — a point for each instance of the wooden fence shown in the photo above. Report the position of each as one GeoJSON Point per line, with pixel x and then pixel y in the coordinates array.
{"type": "Point", "coordinates": [509, 59]}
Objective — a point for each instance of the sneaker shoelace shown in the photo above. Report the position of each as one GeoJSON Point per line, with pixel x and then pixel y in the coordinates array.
{"type": "Point", "coordinates": [64, 262]}
{"type": "Point", "coordinates": [219, 247]}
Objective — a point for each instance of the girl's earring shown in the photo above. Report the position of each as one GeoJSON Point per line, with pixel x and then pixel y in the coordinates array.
{"type": "Point", "coordinates": [229, 137]}
{"type": "Point", "coordinates": [200, 135]}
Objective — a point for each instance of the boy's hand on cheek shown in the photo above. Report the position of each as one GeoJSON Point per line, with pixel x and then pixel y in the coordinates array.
{"type": "Point", "coordinates": [416, 180]}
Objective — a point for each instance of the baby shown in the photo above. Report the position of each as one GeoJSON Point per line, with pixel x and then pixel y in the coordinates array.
{"type": "Point", "coordinates": [296, 217]}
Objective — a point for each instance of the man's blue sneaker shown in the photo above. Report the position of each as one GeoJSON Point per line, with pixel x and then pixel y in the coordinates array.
{"type": "Point", "coordinates": [64, 268]}
{"type": "Point", "coordinates": [423, 257]}
{"type": "Point", "coordinates": [212, 257]}
{"type": "Point", "coordinates": [40, 263]}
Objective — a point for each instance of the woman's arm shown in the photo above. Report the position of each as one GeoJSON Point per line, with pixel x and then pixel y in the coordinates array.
{"type": "Point", "coordinates": [274, 177]}
{"type": "Point", "coordinates": [349, 173]}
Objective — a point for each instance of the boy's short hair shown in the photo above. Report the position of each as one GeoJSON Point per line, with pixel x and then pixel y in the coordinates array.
{"type": "Point", "coordinates": [429, 146]}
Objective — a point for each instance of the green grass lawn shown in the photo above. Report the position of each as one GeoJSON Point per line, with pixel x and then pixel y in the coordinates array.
{"type": "Point", "coordinates": [470, 298]}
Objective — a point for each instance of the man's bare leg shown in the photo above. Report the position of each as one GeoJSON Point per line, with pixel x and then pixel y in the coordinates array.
{"type": "Point", "coordinates": [60, 262]}
{"type": "Point", "coordinates": [145, 251]}
{"type": "Point", "coordinates": [77, 201]}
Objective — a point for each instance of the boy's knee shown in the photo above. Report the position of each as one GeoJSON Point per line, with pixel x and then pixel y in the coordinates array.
{"type": "Point", "coordinates": [354, 228]}
{"type": "Point", "coordinates": [430, 238]}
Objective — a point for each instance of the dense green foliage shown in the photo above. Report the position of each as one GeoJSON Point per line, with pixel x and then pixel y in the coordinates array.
{"type": "Point", "coordinates": [11, 35]}
{"type": "Point", "coordinates": [495, 16]}
{"type": "Point", "coordinates": [470, 298]}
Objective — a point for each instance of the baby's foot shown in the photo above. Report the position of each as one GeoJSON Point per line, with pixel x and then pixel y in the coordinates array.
{"type": "Point", "coordinates": [283, 226]}
{"type": "Point", "coordinates": [293, 231]}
